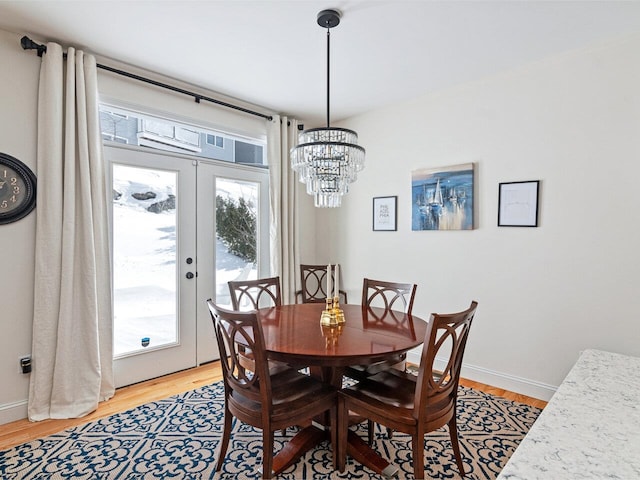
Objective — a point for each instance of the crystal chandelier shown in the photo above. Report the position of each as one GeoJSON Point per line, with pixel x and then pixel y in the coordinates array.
{"type": "Point", "coordinates": [327, 159]}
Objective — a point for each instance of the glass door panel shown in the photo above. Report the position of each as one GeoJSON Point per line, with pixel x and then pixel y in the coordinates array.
{"type": "Point", "coordinates": [236, 234]}
{"type": "Point", "coordinates": [144, 259]}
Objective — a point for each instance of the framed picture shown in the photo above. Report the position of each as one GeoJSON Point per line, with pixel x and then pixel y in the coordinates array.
{"type": "Point", "coordinates": [442, 198]}
{"type": "Point", "coordinates": [518, 204]}
{"type": "Point", "coordinates": [384, 214]}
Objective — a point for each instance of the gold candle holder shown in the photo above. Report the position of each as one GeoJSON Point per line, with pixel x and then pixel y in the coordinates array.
{"type": "Point", "coordinates": [331, 334]}
{"type": "Point", "coordinates": [332, 314]}
{"type": "Point", "coordinates": [337, 311]}
{"type": "Point", "coordinates": [328, 317]}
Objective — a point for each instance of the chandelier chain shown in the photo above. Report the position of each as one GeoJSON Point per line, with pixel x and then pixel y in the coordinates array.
{"type": "Point", "coordinates": [328, 74]}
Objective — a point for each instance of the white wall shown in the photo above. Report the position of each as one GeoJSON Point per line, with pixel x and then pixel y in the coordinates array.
{"type": "Point", "coordinates": [19, 87]}
{"type": "Point", "coordinates": [545, 293]}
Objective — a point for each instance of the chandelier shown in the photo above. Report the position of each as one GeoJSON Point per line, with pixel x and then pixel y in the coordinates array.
{"type": "Point", "coordinates": [327, 159]}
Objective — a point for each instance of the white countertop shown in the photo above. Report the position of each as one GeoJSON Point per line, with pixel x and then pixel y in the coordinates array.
{"type": "Point", "coordinates": [591, 427]}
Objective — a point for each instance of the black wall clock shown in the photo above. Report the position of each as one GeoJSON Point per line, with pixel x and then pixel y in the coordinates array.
{"type": "Point", "coordinates": [17, 189]}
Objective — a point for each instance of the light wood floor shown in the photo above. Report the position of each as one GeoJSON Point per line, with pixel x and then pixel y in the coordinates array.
{"type": "Point", "coordinates": [21, 431]}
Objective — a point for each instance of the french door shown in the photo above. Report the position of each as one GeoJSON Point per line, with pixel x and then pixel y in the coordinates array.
{"type": "Point", "coordinates": [221, 257]}
{"type": "Point", "coordinates": [168, 257]}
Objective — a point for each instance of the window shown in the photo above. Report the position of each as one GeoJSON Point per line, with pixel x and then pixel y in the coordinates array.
{"type": "Point", "coordinates": [135, 128]}
{"type": "Point", "coordinates": [248, 153]}
{"type": "Point", "coordinates": [215, 140]}
{"type": "Point", "coordinates": [118, 127]}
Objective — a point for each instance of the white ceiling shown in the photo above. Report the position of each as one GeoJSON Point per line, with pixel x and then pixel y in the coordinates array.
{"type": "Point", "coordinates": [272, 53]}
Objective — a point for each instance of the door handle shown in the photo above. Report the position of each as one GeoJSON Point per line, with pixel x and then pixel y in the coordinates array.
{"type": "Point", "coordinates": [189, 275]}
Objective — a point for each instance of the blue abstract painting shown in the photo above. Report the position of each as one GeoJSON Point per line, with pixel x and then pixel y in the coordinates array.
{"type": "Point", "coordinates": [442, 198]}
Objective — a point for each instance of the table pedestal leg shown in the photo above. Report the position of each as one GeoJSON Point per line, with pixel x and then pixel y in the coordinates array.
{"type": "Point", "coordinates": [361, 452]}
{"type": "Point", "coordinates": [310, 436]}
{"type": "Point", "coordinates": [304, 440]}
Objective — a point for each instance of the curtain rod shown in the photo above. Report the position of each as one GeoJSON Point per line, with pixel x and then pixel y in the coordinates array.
{"type": "Point", "coordinates": [28, 44]}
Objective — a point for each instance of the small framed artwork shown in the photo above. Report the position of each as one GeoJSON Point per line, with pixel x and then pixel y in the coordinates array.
{"type": "Point", "coordinates": [384, 214]}
{"type": "Point", "coordinates": [518, 204]}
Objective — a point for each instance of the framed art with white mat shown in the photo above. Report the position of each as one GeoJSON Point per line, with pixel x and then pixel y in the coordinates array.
{"type": "Point", "coordinates": [518, 204]}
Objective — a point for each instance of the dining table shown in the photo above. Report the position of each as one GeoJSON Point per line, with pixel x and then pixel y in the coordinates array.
{"type": "Point", "coordinates": [295, 335]}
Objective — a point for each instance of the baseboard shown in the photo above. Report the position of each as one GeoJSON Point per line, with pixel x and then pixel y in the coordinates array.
{"type": "Point", "coordinates": [512, 383]}
{"type": "Point", "coordinates": [10, 412]}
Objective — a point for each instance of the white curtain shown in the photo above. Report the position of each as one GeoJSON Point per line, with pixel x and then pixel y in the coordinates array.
{"type": "Point", "coordinates": [72, 321]}
{"type": "Point", "coordinates": [285, 257]}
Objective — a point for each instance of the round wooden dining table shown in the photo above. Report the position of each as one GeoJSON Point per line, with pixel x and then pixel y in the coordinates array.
{"type": "Point", "coordinates": [294, 334]}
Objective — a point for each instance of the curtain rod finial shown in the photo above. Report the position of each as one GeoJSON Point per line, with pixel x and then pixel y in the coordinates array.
{"type": "Point", "coordinates": [28, 44]}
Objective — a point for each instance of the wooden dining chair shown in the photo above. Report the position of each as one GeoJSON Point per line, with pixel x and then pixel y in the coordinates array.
{"type": "Point", "coordinates": [260, 398]}
{"type": "Point", "coordinates": [313, 281]}
{"type": "Point", "coordinates": [392, 297]}
{"type": "Point", "coordinates": [414, 406]}
{"type": "Point", "coordinates": [388, 295]}
{"type": "Point", "coordinates": [254, 294]}
{"type": "Point", "coordinates": [251, 295]}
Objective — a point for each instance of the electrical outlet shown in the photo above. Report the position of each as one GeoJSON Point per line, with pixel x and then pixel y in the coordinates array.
{"type": "Point", "coordinates": [25, 364]}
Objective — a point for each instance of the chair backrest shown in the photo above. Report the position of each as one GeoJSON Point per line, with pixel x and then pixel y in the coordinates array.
{"type": "Point", "coordinates": [237, 333]}
{"type": "Point", "coordinates": [388, 295]}
{"type": "Point", "coordinates": [254, 294]}
{"type": "Point", "coordinates": [313, 282]}
{"type": "Point", "coordinates": [445, 338]}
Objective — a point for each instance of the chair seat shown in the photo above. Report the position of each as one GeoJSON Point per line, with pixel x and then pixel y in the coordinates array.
{"type": "Point", "coordinates": [293, 395]}
{"type": "Point", "coordinates": [360, 372]}
{"type": "Point", "coordinates": [382, 392]}
{"type": "Point", "coordinates": [248, 362]}
{"type": "Point", "coordinates": [392, 394]}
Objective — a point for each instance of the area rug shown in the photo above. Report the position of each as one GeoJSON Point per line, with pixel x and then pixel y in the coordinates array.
{"type": "Point", "coordinates": [178, 438]}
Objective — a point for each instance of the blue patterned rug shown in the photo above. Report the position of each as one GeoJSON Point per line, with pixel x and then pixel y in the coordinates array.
{"type": "Point", "coordinates": [178, 438]}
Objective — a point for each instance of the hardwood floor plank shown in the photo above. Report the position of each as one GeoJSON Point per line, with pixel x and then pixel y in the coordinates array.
{"type": "Point", "coordinates": [500, 392]}
{"type": "Point", "coordinates": [21, 431]}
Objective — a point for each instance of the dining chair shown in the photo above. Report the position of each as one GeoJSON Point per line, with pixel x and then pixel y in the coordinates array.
{"type": "Point", "coordinates": [388, 295]}
{"type": "Point", "coordinates": [251, 295]}
{"type": "Point", "coordinates": [392, 297]}
{"type": "Point", "coordinates": [414, 406]}
{"type": "Point", "coordinates": [258, 397]}
{"type": "Point", "coordinates": [313, 281]}
{"type": "Point", "coordinates": [254, 294]}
